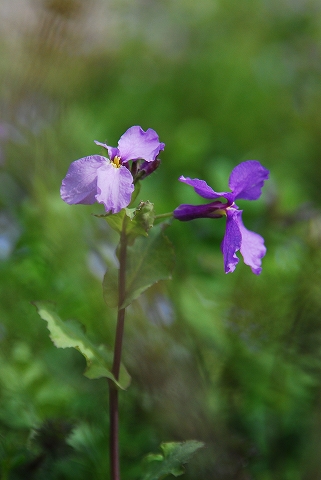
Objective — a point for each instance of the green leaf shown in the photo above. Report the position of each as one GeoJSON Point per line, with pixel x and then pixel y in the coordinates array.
{"type": "Point", "coordinates": [70, 334]}
{"type": "Point", "coordinates": [149, 260]}
{"type": "Point", "coordinates": [171, 461]}
{"type": "Point", "coordinates": [115, 220]}
{"type": "Point", "coordinates": [141, 222]}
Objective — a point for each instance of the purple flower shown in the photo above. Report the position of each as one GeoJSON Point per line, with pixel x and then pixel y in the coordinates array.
{"type": "Point", "coordinates": [245, 182]}
{"type": "Point", "coordinates": [109, 180]}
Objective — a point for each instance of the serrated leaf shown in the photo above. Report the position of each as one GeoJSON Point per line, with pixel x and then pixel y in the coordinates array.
{"type": "Point", "coordinates": [141, 221]}
{"type": "Point", "coordinates": [171, 462]}
{"type": "Point", "coordinates": [70, 334]}
{"type": "Point", "coordinates": [149, 260]}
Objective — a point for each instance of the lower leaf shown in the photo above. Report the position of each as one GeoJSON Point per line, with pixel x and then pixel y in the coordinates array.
{"type": "Point", "coordinates": [171, 462]}
{"type": "Point", "coordinates": [69, 334]}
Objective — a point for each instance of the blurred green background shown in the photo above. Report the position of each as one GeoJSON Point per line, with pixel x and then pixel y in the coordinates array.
{"type": "Point", "coordinates": [232, 360]}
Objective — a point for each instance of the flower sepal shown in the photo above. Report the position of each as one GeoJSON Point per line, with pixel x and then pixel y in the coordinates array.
{"type": "Point", "coordinates": [146, 169]}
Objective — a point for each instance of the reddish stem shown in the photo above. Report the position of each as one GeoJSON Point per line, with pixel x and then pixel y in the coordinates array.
{"type": "Point", "coordinates": [113, 390]}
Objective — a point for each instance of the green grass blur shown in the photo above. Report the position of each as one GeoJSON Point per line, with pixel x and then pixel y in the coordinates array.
{"type": "Point", "coordinates": [232, 360]}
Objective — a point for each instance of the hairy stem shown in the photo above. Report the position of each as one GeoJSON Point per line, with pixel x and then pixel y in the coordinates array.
{"type": "Point", "coordinates": [113, 390]}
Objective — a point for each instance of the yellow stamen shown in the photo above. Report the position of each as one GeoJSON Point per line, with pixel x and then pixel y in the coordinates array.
{"type": "Point", "coordinates": [220, 212]}
{"type": "Point", "coordinates": [116, 162]}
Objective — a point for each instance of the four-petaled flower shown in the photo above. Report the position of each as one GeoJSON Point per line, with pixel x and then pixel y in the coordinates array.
{"type": "Point", "coordinates": [109, 180]}
{"type": "Point", "coordinates": [245, 182]}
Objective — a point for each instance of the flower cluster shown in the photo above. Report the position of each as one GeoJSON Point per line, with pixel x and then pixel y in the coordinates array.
{"type": "Point", "coordinates": [245, 182]}
{"type": "Point", "coordinates": [109, 180]}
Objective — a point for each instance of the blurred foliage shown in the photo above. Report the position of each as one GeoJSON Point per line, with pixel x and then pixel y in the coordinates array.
{"type": "Point", "coordinates": [231, 360]}
{"type": "Point", "coordinates": [172, 459]}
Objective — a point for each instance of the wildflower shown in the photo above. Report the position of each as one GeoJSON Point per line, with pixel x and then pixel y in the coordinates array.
{"type": "Point", "coordinates": [109, 180]}
{"type": "Point", "coordinates": [245, 182]}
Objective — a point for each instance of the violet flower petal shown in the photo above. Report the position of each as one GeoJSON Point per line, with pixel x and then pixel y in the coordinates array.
{"type": "Point", "coordinates": [112, 151]}
{"type": "Point", "coordinates": [247, 179]}
{"type": "Point", "coordinates": [80, 183]}
{"type": "Point", "coordinates": [204, 190]}
{"type": "Point", "coordinates": [100, 144]}
{"type": "Point", "coordinates": [185, 212]}
{"type": "Point", "coordinates": [252, 248]}
{"type": "Point", "coordinates": [136, 144]}
{"type": "Point", "coordinates": [232, 240]}
{"type": "Point", "coordinates": [114, 187]}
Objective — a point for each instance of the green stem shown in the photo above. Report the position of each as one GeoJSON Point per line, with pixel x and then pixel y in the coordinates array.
{"type": "Point", "coordinates": [164, 215]}
{"type": "Point", "coordinates": [113, 390]}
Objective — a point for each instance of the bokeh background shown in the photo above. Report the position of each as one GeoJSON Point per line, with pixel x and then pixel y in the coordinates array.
{"type": "Point", "coordinates": [232, 360]}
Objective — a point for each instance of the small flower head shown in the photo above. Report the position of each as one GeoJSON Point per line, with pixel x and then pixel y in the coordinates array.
{"type": "Point", "coordinates": [245, 182]}
{"type": "Point", "coordinates": [109, 180]}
